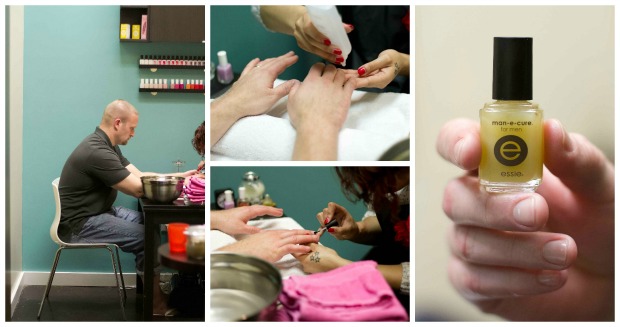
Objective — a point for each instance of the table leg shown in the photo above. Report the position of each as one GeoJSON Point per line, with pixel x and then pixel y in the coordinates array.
{"type": "Point", "coordinates": [149, 264]}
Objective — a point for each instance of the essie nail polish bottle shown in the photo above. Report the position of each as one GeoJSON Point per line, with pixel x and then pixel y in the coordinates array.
{"type": "Point", "coordinates": [224, 69]}
{"type": "Point", "coordinates": [511, 127]}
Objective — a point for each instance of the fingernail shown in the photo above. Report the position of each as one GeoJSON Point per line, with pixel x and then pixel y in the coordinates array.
{"type": "Point", "coordinates": [361, 71]}
{"type": "Point", "coordinates": [327, 42]}
{"type": "Point", "coordinates": [339, 59]}
{"type": "Point", "coordinates": [351, 26]}
{"type": "Point", "coordinates": [524, 212]}
{"type": "Point", "coordinates": [326, 221]}
{"type": "Point", "coordinates": [337, 51]}
{"type": "Point", "coordinates": [331, 230]}
{"type": "Point", "coordinates": [549, 278]}
{"type": "Point", "coordinates": [555, 252]}
{"type": "Point", "coordinates": [567, 142]}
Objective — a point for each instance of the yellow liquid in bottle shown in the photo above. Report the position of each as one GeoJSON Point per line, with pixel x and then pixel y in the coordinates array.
{"type": "Point", "coordinates": [511, 135]}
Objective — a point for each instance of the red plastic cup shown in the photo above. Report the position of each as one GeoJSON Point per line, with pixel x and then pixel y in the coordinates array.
{"type": "Point", "coordinates": [176, 238]}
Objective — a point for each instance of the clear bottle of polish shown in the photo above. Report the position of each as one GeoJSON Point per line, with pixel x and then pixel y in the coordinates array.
{"type": "Point", "coordinates": [511, 127]}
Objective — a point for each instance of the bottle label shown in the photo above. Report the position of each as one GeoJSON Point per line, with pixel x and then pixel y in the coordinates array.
{"type": "Point", "coordinates": [510, 150]}
{"type": "Point", "coordinates": [512, 146]}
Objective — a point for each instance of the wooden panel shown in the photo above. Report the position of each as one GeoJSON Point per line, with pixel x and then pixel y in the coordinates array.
{"type": "Point", "coordinates": [177, 24]}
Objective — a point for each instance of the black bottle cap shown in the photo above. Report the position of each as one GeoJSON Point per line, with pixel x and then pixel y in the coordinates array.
{"type": "Point", "coordinates": [512, 68]}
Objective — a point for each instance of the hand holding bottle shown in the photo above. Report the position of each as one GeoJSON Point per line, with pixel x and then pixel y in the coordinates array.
{"type": "Point", "coordinates": [515, 254]}
{"type": "Point", "coordinates": [294, 20]}
{"type": "Point", "coordinates": [381, 71]}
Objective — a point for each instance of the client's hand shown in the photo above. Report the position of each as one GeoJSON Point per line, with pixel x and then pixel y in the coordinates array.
{"type": "Point", "coordinates": [234, 221]}
{"type": "Point", "coordinates": [318, 108]}
{"type": "Point", "coordinates": [253, 94]}
{"type": "Point", "coordinates": [272, 245]}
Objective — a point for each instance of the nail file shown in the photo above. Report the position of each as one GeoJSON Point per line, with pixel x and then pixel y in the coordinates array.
{"type": "Point", "coordinates": [329, 224]}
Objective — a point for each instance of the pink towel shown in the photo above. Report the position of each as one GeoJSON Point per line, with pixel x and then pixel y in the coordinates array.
{"type": "Point", "coordinates": [356, 292]}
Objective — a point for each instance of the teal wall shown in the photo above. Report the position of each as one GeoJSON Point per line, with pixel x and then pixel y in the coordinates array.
{"type": "Point", "coordinates": [236, 30]}
{"type": "Point", "coordinates": [74, 65]}
{"type": "Point", "coordinates": [302, 192]}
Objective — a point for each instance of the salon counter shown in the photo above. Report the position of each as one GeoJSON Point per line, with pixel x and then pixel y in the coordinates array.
{"type": "Point", "coordinates": [288, 265]}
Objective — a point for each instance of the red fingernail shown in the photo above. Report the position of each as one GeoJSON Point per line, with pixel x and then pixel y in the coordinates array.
{"type": "Point", "coordinates": [361, 71]}
{"type": "Point", "coordinates": [331, 230]}
{"type": "Point", "coordinates": [351, 26]}
{"type": "Point", "coordinates": [337, 51]}
{"type": "Point", "coordinates": [326, 221]}
{"type": "Point", "coordinates": [327, 42]}
{"type": "Point", "coordinates": [339, 59]}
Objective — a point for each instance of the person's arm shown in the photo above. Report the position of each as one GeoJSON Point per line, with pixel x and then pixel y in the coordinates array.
{"type": "Point", "coordinates": [318, 108]}
{"type": "Point", "coordinates": [281, 19]}
{"type": "Point", "coordinates": [515, 254]}
{"type": "Point", "coordinates": [136, 172]}
{"type": "Point", "coordinates": [322, 259]}
{"type": "Point", "coordinates": [295, 21]}
{"type": "Point", "coordinates": [272, 245]}
{"type": "Point", "coordinates": [253, 94]}
{"type": "Point", "coordinates": [234, 221]}
{"type": "Point", "coordinates": [131, 185]}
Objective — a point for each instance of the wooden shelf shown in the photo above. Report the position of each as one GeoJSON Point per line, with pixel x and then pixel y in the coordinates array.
{"type": "Point", "coordinates": [171, 90]}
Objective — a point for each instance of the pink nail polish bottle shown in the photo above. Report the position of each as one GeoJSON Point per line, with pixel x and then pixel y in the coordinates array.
{"type": "Point", "coordinates": [224, 69]}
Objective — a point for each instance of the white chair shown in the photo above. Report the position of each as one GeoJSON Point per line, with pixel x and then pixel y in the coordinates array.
{"type": "Point", "coordinates": [62, 246]}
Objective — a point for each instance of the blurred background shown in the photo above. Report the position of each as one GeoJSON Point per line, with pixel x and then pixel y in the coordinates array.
{"type": "Point", "coordinates": [573, 82]}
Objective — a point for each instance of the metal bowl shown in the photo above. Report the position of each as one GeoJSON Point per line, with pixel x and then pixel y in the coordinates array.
{"type": "Point", "coordinates": [243, 287]}
{"type": "Point", "coordinates": [162, 188]}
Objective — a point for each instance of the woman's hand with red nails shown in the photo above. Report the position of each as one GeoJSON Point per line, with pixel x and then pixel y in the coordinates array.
{"type": "Point", "coordinates": [381, 71]}
{"type": "Point", "coordinates": [347, 228]}
{"type": "Point", "coordinates": [533, 256]}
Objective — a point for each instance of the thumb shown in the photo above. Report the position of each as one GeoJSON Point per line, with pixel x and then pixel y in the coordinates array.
{"type": "Point", "coordinates": [380, 62]}
{"type": "Point", "coordinates": [252, 229]}
{"type": "Point", "coordinates": [348, 28]}
{"type": "Point", "coordinates": [286, 88]}
{"type": "Point", "coordinates": [580, 165]}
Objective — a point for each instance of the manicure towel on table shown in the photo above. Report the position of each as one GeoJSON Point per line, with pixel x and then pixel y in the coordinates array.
{"type": "Point", "coordinates": [356, 292]}
{"type": "Point", "coordinates": [195, 190]}
{"type": "Point", "coordinates": [375, 122]}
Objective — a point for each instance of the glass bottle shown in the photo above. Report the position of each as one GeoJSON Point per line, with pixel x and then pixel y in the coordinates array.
{"type": "Point", "coordinates": [511, 128]}
{"type": "Point", "coordinates": [254, 187]}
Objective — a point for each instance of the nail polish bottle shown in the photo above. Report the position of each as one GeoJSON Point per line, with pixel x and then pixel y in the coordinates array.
{"type": "Point", "coordinates": [224, 69]}
{"type": "Point", "coordinates": [511, 127]}
{"type": "Point", "coordinates": [242, 201]}
{"type": "Point", "coordinates": [229, 202]}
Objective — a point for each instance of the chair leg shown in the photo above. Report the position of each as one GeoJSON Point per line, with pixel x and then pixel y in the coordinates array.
{"type": "Point", "coordinates": [117, 285]}
{"type": "Point", "coordinates": [120, 270]}
{"type": "Point", "coordinates": [49, 281]}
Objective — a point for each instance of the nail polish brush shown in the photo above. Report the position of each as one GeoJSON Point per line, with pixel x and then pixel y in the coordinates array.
{"type": "Point", "coordinates": [329, 224]}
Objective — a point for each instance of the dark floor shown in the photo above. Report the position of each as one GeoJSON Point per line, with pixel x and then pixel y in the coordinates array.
{"type": "Point", "coordinates": [72, 303]}
{"type": "Point", "coordinates": [75, 303]}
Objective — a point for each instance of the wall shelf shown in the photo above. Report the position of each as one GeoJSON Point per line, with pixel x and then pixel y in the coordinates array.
{"type": "Point", "coordinates": [171, 90]}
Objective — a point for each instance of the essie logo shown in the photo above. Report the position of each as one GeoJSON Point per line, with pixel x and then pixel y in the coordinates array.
{"type": "Point", "coordinates": [510, 150]}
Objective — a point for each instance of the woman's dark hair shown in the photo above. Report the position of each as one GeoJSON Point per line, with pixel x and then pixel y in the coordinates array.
{"type": "Point", "coordinates": [199, 139]}
{"type": "Point", "coordinates": [373, 185]}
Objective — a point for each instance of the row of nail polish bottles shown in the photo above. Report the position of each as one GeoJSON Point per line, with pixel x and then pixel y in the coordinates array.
{"type": "Point", "coordinates": [173, 84]}
{"type": "Point", "coordinates": [185, 61]}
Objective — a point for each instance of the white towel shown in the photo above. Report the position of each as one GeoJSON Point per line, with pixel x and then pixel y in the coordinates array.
{"type": "Point", "coordinates": [375, 122]}
{"type": "Point", "coordinates": [288, 265]}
